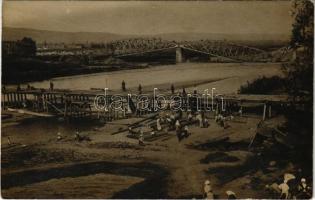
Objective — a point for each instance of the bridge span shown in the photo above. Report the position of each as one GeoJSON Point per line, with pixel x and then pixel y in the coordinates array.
{"type": "Point", "coordinates": [215, 50]}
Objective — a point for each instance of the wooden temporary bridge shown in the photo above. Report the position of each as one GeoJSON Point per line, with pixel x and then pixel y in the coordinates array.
{"type": "Point", "coordinates": [81, 103]}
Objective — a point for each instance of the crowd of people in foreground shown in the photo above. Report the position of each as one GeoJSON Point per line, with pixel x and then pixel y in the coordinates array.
{"type": "Point", "coordinates": [290, 188]}
{"type": "Point", "coordinates": [208, 192]}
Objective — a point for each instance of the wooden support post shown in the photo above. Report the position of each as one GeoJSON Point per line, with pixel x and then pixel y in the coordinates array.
{"type": "Point", "coordinates": [14, 98]}
{"type": "Point", "coordinates": [269, 113]}
{"type": "Point", "coordinates": [38, 99]}
{"type": "Point", "coordinates": [264, 112]}
{"type": "Point", "coordinates": [8, 99]}
{"type": "Point", "coordinates": [70, 110]}
{"type": "Point", "coordinates": [66, 110]}
{"type": "Point", "coordinates": [19, 99]}
{"type": "Point", "coordinates": [44, 102]}
{"type": "Point", "coordinates": [3, 100]}
{"type": "Point", "coordinates": [11, 99]}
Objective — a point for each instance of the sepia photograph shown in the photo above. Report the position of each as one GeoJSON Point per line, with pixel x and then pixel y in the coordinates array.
{"type": "Point", "coordinates": [142, 99]}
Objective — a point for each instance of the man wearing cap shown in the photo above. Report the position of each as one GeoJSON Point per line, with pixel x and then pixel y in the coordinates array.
{"type": "Point", "coordinates": [208, 194]}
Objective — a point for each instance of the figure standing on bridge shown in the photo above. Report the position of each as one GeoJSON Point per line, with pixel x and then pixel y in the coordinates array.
{"type": "Point", "coordinates": [184, 92]}
{"type": "Point", "coordinates": [140, 89]}
{"type": "Point", "coordinates": [51, 85]}
{"type": "Point", "coordinates": [123, 85]}
{"type": "Point", "coordinates": [195, 89]}
{"type": "Point", "coordinates": [172, 88]}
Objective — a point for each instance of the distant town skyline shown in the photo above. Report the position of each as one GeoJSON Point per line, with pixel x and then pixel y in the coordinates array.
{"type": "Point", "coordinates": [146, 17]}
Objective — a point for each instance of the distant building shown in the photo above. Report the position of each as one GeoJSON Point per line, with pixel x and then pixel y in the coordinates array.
{"type": "Point", "coordinates": [23, 48]}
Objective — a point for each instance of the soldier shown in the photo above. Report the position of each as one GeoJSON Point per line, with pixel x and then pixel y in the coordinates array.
{"type": "Point", "coordinates": [205, 123]}
{"type": "Point", "coordinates": [51, 85]}
{"type": "Point", "coordinates": [9, 141]}
{"type": "Point", "coordinates": [190, 117]}
{"type": "Point", "coordinates": [186, 131]}
{"type": "Point", "coordinates": [158, 124]}
{"type": "Point", "coordinates": [240, 111]}
{"type": "Point", "coordinates": [231, 195]}
{"type": "Point", "coordinates": [141, 139]}
{"type": "Point", "coordinates": [140, 89]}
{"type": "Point", "coordinates": [59, 137]}
{"type": "Point", "coordinates": [195, 89]}
{"type": "Point", "coordinates": [199, 118]}
{"type": "Point", "coordinates": [304, 191]}
{"type": "Point", "coordinates": [172, 89]}
{"type": "Point", "coordinates": [284, 187]}
{"type": "Point", "coordinates": [123, 85]}
{"type": "Point", "coordinates": [184, 92]}
{"type": "Point", "coordinates": [177, 125]}
{"type": "Point", "coordinates": [208, 194]}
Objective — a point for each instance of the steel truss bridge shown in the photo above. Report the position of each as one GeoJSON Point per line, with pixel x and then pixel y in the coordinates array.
{"type": "Point", "coordinates": [216, 50]}
{"type": "Point", "coordinates": [213, 50]}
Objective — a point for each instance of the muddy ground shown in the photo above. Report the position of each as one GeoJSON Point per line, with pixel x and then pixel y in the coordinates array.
{"type": "Point", "coordinates": [36, 165]}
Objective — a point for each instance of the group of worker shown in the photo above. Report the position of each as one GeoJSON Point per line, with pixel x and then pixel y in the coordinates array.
{"type": "Point", "coordinates": [208, 193]}
{"type": "Point", "coordinates": [175, 121]}
{"type": "Point", "coordinates": [290, 188]}
{"type": "Point", "coordinates": [77, 137]}
{"type": "Point", "coordinates": [182, 131]}
{"type": "Point", "coordinates": [222, 120]}
{"type": "Point", "coordinates": [202, 120]}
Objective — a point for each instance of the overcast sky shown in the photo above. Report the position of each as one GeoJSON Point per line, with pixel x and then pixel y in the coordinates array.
{"type": "Point", "coordinates": [143, 17]}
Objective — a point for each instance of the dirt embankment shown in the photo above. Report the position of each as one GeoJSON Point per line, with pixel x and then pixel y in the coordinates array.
{"type": "Point", "coordinates": [115, 166]}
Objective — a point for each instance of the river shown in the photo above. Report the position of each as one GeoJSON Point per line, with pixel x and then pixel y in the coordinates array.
{"type": "Point", "coordinates": [225, 77]}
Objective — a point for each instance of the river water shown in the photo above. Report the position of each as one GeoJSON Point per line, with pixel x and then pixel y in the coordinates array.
{"type": "Point", "coordinates": [231, 76]}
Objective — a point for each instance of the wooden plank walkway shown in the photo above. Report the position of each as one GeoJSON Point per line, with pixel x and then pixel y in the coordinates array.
{"type": "Point", "coordinates": [80, 103]}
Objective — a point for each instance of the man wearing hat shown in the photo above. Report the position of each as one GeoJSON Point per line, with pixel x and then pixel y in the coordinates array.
{"type": "Point", "coordinates": [304, 191]}
{"type": "Point", "coordinates": [230, 194]}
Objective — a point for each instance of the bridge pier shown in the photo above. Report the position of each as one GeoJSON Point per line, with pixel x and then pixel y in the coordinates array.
{"type": "Point", "coordinates": [179, 55]}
